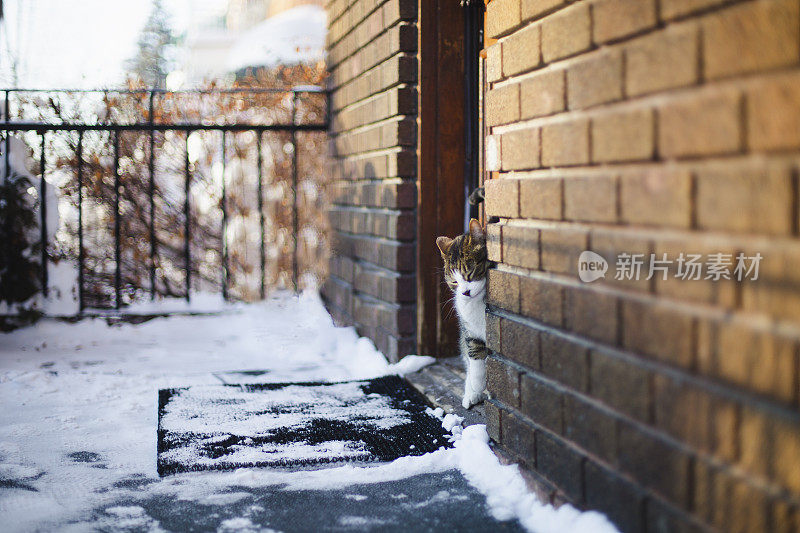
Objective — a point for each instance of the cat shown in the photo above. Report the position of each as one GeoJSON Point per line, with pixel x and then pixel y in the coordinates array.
{"type": "Point", "coordinates": [465, 264]}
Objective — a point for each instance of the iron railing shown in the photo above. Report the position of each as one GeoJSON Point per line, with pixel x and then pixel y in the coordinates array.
{"type": "Point", "coordinates": [150, 126]}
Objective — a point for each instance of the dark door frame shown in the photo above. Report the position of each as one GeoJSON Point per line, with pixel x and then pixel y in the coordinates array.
{"type": "Point", "coordinates": [444, 171]}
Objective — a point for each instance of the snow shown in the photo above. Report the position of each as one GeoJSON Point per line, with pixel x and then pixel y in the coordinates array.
{"type": "Point", "coordinates": [293, 36]}
{"type": "Point", "coordinates": [79, 427]}
{"type": "Point", "coordinates": [199, 302]}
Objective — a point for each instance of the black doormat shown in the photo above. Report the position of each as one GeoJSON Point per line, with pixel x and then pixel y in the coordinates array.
{"type": "Point", "coordinates": [222, 427]}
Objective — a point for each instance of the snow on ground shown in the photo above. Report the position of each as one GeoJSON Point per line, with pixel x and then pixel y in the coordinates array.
{"type": "Point", "coordinates": [80, 416]}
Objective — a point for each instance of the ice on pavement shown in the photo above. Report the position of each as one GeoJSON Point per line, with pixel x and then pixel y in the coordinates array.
{"type": "Point", "coordinates": [77, 432]}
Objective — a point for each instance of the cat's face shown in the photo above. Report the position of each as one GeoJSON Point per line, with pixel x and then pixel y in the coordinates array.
{"type": "Point", "coordinates": [465, 262]}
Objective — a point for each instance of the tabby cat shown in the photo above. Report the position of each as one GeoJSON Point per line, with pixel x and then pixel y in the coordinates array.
{"type": "Point", "coordinates": [465, 264]}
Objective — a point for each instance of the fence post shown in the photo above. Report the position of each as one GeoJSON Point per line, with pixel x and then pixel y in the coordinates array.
{"type": "Point", "coordinates": [263, 291]}
{"type": "Point", "coordinates": [187, 220]}
{"type": "Point", "coordinates": [152, 190]}
{"type": "Point", "coordinates": [117, 252]}
{"type": "Point", "coordinates": [224, 232]}
{"type": "Point", "coordinates": [81, 256]}
{"type": "Point", "coordinates": [294, 190]}
{"type": "Point", "coordinates": [43, 213]}
{"type": "Point", "coordinates": [7, 150]}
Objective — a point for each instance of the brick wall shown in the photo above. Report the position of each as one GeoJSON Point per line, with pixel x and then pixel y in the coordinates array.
{"type": "Point", "coordinates": [647, 126]}
{"type": "Point", "coordinates": [373, 77]}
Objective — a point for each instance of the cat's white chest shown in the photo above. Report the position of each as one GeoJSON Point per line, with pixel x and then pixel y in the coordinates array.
{"type": "Point", "coordinates": [472, 312]}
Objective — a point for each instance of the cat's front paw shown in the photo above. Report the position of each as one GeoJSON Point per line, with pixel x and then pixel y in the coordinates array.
{"type": "Point", "coordinates": [471, 398]}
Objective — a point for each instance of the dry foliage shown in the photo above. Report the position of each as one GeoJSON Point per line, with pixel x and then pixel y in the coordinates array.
{"type": "Point", "coordinates": [205, 186]}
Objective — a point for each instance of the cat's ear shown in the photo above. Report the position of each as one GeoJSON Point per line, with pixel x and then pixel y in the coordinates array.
{"type": "Point", "coordinates": [475, 230]}
{"type": "Point", "coordinates": [444, 244]}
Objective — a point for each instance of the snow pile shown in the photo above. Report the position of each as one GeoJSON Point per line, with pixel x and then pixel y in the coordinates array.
{"type": "Point", "coordinates": [62, 276]}
{"type": "Point", "coordinates": [200, 302]}
{"type": "Point", "coordinates": [507, 494]}
{"type": "Point", "coordinates": [77, 436]}
{"type": "Point", "coordinates": [293, 36]}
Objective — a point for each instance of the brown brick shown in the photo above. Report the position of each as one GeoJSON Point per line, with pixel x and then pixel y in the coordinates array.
{"type": "Point", "coordinates": [501, 17]}
{"type": "Point", "coordinates": [542, 94]}
{"type": "Point", "coordinates": [596, 79]}
{"type": "Point", "coordinates": [668, 475]}
{"type": "Point", "coordinates": [664, 518]}
{"type": "Point", "coordinates": [502, 105]}
{"type": "Point", "coordinates": [541, 300]}
{"type": "Point", "coordinates": [565, 361]}
{"type": "Point", "coordinates": [721, 292]}
{"type": "Point", "coordinates": [503, 290]}
{"type": "Point", "coordinates": [561, 248]}
{"type": "Point", "coordinates": [540, 198]}
{"type": "Point", "coordinates": [520, 343]}
{"type": "Point", "coordinates": [760, 361]}
{"type": "Point", "coordinates": [671, 9]}
{"type": "Point", "coordinates": [521, 51]}
{"type": "Point", "coordinates": [786, 435]}
{"type": "Point", "coordinates": [398, 10]}
{"type": "Point", "coordinates": [773, 114]}
{"type": "Point", "coordinates": [590, 428]}
{"type": "Point", "coordinates": [521, 246]}
{"type": "Point", "coordinates": [520, 149]}
{"type": "Point", "coordinates": [492, 420]}
{"type": "Point", "coordinates": [542, 403]}
{"type": "Point", "coordinates": [493, 332]}
{"type": "Point", "coordinates": [618, 499]}
{"type": "Point", "coordinates": [745, 198]}
{"type": "Point", "coordinates": [559, 464]}
{"type": "Point", "coordinates": [620, 384]}
{"type": "Point", "coordinates": [614, 19]}
{"type": "Point", "coordinates": [590, 313]}
{"type": "Point", "coordinates": [744, 507]}
{"type": "Point", "coordinates": [502, 197]}
{"type": "Point", "coordinates": [777, 290]}
{"type": "Point", "coordinates": [663, 60]}
{"type": "Point", "coordinates": [566, 33]}
{"type": "Point", "coordinates": [494, 63]}
{"type": "Point", "coordinates": [622, 136]}
{"type": "Point", "coordinates": [494, 236]}
{"type": "Point", "coordinates": [535, 8]}
{"type": "Point", "coordinates": [751, 37]}
{"type": "Point", "coordinates": [658, 196]}
{"type": "Point", "coordinates": [518, 437]}
{"type": "Point", "coordinates": [611, 243]}
{"type": "Point", "coordinates": [756, 435]}
{"type": "Point", "coordinates": [700, 125]}
{"type": "Point", "coordinates": [784, 517]}
{"type": "Point", "coordinates": [771, 446]}
{"type": "Point", "coordinates": [565, 143]}
{"type": "Point", "coordinates": [724, 428]}
{"type": "Point", "coordinates": [659, 331]}
{"type": "Point", "coordinates": [683, 411]}
{"type": "Point", "coordinates": [591, 199]}
{"type": "Point", "coordinates": [703, 502]}
{"type": "Point", "coordinates": [343, 268]}
{"type": "Point", "coordinates": [729, 503]}
{"type": "Point", "coordinates": [502, 382]}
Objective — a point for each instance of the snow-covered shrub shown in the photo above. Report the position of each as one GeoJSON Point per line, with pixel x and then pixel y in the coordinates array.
{"type": "Point", "coordinates": [20, 246]}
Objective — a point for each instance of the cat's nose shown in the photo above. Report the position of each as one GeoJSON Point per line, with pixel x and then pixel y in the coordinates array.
{"type": "Point", "coordinates": [466, 292]}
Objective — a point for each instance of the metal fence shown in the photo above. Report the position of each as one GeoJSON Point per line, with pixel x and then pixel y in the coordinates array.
{"type": "Point", "coordinates": [150, 126]}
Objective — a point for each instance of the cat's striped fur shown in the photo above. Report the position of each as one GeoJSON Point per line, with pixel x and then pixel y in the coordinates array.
{"type": "Point", "coordinates": [465, 265]}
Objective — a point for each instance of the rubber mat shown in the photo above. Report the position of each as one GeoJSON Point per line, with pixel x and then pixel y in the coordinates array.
{"type": "Point", "coordinates": [220, 427]}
